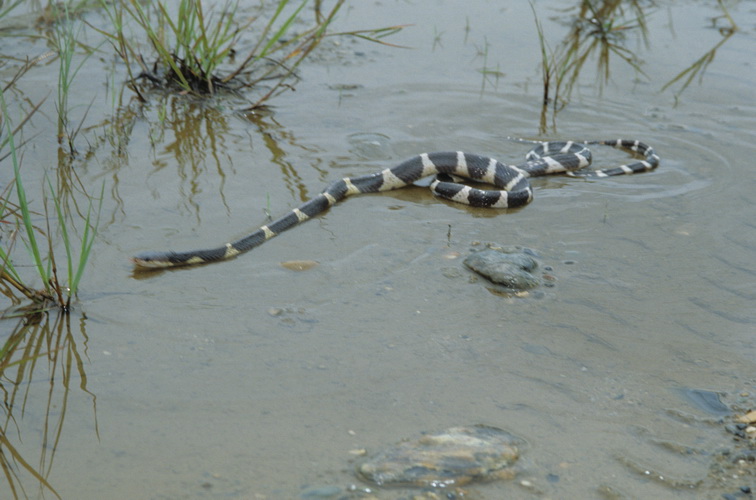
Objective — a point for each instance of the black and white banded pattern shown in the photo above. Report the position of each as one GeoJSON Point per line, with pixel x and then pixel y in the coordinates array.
{"type": "Point", "coordinates": [511, 183]}
{"type": "Point", "coordinates": [650, 161]}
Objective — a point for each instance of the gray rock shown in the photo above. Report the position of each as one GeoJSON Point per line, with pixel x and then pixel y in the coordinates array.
{"type": "Point", "coordinates": [512, 270]}
{"type": "Point", "coordinates": [452, 457]}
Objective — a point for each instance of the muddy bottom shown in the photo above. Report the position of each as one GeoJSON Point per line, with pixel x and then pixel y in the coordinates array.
{"type": "Point", "coordinates": [276, 374]}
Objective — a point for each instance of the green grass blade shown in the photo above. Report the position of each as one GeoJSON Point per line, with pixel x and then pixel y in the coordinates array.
{"type": "Point", "coordinates": [281, 5]}
{"type": "Point", "coordinates": [163, 52]}
{"type": "Point", "coordinates": [22, 201]}
{"type": "Point", "coordinates": [63, 229]}
{"type": "Point", "coordinates": [6, 266]}
{"type": "Point", "coordinates": [282, 30]}
{"type": "Point", "coordinates": [87, 240]}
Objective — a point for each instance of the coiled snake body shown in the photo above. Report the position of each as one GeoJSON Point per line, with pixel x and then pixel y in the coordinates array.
{"type": "Point", "coordinates": [514, 190]}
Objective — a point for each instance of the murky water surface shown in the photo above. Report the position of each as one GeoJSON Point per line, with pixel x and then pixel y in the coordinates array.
{"type": "Point", "coordinates": [251, 380]}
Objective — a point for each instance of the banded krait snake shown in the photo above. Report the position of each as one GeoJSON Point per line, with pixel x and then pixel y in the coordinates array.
{"type": "Point", "coordinates": [570, 158]}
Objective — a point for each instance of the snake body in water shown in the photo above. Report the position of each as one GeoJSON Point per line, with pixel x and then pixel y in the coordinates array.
{"type": "Point", "coordinates": [513, 189]}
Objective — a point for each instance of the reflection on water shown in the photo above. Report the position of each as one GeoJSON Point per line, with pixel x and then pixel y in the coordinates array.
{"type": "Point", "coordinates": [39, 364]}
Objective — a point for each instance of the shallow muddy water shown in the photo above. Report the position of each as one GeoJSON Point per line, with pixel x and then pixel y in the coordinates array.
{"type": "Point", "coordinates": [250, 380]}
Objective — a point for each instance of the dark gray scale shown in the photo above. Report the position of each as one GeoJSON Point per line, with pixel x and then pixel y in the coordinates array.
{"type": "Point", "coordinates": [511, 180]}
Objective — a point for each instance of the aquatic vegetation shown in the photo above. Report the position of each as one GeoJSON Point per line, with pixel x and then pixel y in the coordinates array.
{"type": "Point", "coordinates": [39, 242]}
{"type": "Point", "coordinates": [698, 67]}
{"type": "Point", "coordinates": [39, 340]}
{"type": "Point", "coordinates": [65, 39]}
{"type": "Point", "coordinates": [194, 47]}
{"type": "Point", "coordinates": [491, 75]}
{"type": "Point", "coordinates": [597, 32]}
{"type": "Point", "coordinates": [7, 9]}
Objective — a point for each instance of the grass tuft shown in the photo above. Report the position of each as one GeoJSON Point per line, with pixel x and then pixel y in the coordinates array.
{"type": "Point", "coordinates": [65, 40]}
{"type": "Point", "coordinates": [194, 48]}
{"type": "Point", "coordinates": [52, 293]}
{"type": "Point", "coordinates": [597, 33]}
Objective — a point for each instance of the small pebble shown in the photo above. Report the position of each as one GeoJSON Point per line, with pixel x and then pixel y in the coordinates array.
{"type": "Point", "coordinates": [299, 265]}
{"type": "Point", "coordinates": [748, 418]}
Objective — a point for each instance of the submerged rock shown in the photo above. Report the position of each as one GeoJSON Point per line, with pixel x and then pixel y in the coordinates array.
{"type": "Point", "coordinates": [707, 401]}
{"type": "Point", "coordinates": [452, 457]}
{"type": "Point", "coordinates": [512, 269]}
